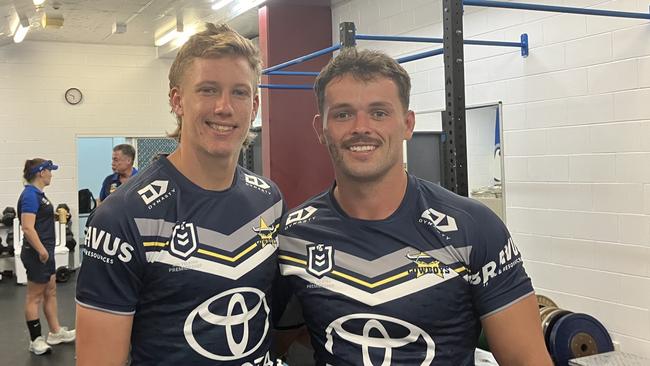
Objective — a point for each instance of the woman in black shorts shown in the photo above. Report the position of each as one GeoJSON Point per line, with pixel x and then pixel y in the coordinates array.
{"type": "Point", "coordinates": [37, 221]}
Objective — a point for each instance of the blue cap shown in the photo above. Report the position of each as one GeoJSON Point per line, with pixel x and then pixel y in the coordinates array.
{"type": "Point", "coordinates": [49, 165]}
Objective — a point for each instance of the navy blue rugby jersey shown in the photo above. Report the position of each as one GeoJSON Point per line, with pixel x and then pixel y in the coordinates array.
{"type": "Point", "coordinates": [194, 267]}
{"type": "Point", "coordinates": [407, 290]}
{"type": "Point", "coordinates": [32, 200]}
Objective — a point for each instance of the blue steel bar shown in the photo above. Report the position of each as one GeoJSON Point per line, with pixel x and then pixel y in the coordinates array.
{"type": "Point", "coordinates": [286, 86]}
{"type": "Point", "coordinates": [418, 56]}
{"type": "Point", "coordinates": [556, 9]}
{"type": "Point", "coordinates": [295, 73]}
{"type": "Point", "coordinates": [302, 59]}
{"type": "Point", "coordinates": [369, 37]}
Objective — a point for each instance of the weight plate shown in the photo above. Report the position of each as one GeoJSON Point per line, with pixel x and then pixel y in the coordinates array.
{"type": "Point", "coordinates": [578, 335]}
{"type": "Point", "coordinates": [548, 322]}
{"type": "Point", "coordinates": [543, 301]}
{"type": "Point", "coordinates": [545, 311]}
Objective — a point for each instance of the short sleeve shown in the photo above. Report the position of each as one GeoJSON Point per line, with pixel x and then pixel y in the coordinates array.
{"type": "Point", "coordinates": [498, 276]}
{"type": "Point", "coordinates": [29, 203]}
{"type": "Point", "coordinates": [111, 273]}
{"type": "Point", "coordinates": [103, 192]}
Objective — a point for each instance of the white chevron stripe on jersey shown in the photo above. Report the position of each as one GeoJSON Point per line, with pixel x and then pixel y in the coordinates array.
{"type": "Point", "coordinates": [207, 266]}
{"type": "Point", "coordinates": [372, 299]}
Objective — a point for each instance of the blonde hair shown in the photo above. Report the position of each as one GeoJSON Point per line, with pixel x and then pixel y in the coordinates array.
{"type": "Point", "coordinates": [218, 40]}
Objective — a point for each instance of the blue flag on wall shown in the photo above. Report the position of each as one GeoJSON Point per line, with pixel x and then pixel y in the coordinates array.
{"type": "Point", "coordinates": [496, 165]}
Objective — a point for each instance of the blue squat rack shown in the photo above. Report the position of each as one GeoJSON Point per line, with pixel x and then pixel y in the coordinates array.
{"type": "Point", "coordinates": [454, 174]}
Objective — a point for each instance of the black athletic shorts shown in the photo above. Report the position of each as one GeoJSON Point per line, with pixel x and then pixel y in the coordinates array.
{"type": "Point", "coordinates": [36, 271]}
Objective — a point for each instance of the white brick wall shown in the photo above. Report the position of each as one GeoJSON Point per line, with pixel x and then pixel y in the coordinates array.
{"type": "Point", "coordinates": [124, 94]}
{"type": "Point", "coordinates": [576, 142]}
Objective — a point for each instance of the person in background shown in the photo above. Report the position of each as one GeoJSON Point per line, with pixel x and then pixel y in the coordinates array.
{"type": "Point", "coordinates": [36, 215]}
{"type": "Point", "coordinates": [390, 268]}
{"type": "Point", "coordinates": [122, 164]}
{"type": "Point", "coordinates": [180, 262]}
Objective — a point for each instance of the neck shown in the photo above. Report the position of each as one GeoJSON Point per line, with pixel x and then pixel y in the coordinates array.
{"type": "Point", "coordinates": [371, 200]}
{"type": "Point", "coordinates": [38, 184]}
{"type": "Point", "coordinates": [127, 173]}
{"type": "Point", "coordinates": [207, 172]}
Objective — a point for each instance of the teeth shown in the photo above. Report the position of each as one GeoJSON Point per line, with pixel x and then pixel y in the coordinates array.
{"type": "Point", "coordinates": [220, 128]}
{"type": "Point", "coordinates": [362, 148]}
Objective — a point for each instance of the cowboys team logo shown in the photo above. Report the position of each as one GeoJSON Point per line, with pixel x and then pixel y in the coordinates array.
{"type": "Point", "coordinates": [182, 243]}
{"type": "Point", "coordinates": [244, 318]}
{"type": "Point", "coordinates": [266, 233]}
{"type": "Point", "coordinates": [320, 259]}
{"type": "Point", "coordinates": [370, 332]}
{"type": "Point", "coordinates": [426, 264]}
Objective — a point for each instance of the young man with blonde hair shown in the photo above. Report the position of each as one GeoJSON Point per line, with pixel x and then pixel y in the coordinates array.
{"type": "Point", "coordinates": [391, 269]}
{"type": "Point", "coordinates": [179, 263]}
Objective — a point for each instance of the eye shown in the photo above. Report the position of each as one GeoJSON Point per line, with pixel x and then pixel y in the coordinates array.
{"type": "Point", "coordinates": [342, 115]}
{"type": "Point", "coordinates": [241, 92]}
{"type": "Point", "coordinates": [379, 114]}
{"type": "Point", "coordinates": [207, 90]}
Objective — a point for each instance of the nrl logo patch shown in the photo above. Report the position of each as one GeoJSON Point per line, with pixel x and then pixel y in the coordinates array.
{"type": "Point", "coordinates": [266, 233]}
{"type": "Point", "coordinates": [183, 241]}
{"type": "Point", "coordinates": [320, 259]}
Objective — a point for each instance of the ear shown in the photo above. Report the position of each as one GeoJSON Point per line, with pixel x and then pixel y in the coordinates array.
{"type": "Point", "coordinates": [256, 105]}
{"type": "Point", "coordinates": [410, 125]}
{"type": "Point", "coordinates": [176, 101]}
{"type": "Point", "coordinates": [318, 127]}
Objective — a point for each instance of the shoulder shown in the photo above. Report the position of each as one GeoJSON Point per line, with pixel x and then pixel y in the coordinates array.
{"type": "Point", "coordinates": [30, 193]}
{"type": "Point", "coordinates": [138, 192]}
{"type": "Point", "coordinates": [439, 200]}
{"type": "Point", "coordinates": [108, 179]}
{"type": "Point", "coordinates": [314, 208]}
{"type": "Point", "coordinates": [254, 184]}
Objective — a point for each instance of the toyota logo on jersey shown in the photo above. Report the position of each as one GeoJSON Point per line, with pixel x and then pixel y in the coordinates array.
{"type": "Point", "coordinates": [370, 332]}
{"type": "Point", "coordinates": [233, 334]}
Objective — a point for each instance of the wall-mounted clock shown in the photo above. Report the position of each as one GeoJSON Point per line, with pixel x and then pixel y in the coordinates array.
{"type": "Point", "coordinates": [73, 96]}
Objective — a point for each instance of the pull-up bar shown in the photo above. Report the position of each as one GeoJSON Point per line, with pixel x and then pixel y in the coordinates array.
{"type": "Point", "coordinates": [523, 44]}
{"type": "Point", "coordinates": [275, 70]}
{"type": "Point", "coordinates": [555, 9]}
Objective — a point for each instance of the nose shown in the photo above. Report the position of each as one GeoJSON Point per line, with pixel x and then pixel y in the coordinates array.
{"type": "Point", "coordinates": [361, 124]}
{"type": "Point", "coordinates": [223, 104]}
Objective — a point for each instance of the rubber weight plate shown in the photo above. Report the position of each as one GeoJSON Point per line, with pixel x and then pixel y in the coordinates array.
{"type": "Point", "coordinates": [549, 321]}
{"type": "Point", "coordinates": [578, 335]}
{"type": "Point", "coordinates": [543, 301]}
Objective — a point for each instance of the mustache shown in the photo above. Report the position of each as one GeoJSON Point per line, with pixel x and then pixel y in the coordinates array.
{"type": "Point", "coordinates": [360, 139]}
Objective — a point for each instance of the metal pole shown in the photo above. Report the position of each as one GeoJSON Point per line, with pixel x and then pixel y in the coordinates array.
{"type": "Point", "coordinates": [453, 119]}
{"type": "Point", "coordinates": [286, 86]}
{"type": "Point", "coordinates": [293, 73]}
{"type": "Point", "coordinates": [347, 34]}
{"type": "Point", "coordinates": [300, 59]}
{"type": "Point", "coordinates": [556, 9]}
{"type": "Point", "coordinates": [418, 56]}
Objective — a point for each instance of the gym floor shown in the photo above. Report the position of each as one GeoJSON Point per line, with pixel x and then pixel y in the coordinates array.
{"type": "Point", "coordinates": [14, 338]}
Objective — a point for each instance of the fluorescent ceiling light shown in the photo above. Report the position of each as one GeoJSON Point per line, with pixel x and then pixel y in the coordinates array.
{"type": "Point", "coordinates": [178, 38]}
{"type": "Point", "coordinates": [20, 33]}
{"type": "Point", "coordinates": [220, 4]}
{"type": "Point", "coordinates": [38, 2]}
{"type": "Point", "coordinates": [167, 37]}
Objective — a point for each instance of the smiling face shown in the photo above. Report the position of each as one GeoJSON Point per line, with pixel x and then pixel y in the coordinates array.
{"type": "Point", "coordinates": [364, 125]}
{"type": "Point", "coordinates": [217, 101]}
